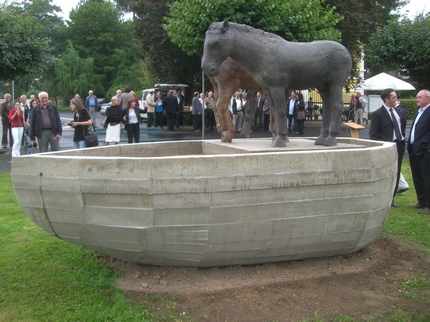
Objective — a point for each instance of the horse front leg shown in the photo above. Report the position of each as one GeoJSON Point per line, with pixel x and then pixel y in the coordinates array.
{"type": "Point", "coordinates": [277, 100]}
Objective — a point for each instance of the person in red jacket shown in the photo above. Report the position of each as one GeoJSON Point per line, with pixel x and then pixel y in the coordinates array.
{"type": "Point", "coordinates": [16, 119]}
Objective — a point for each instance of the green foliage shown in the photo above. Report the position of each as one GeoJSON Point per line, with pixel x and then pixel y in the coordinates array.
{"type": "Point", "coordinates": [22, 48]}
{"type": "Point", "coordinates": [95, 30]}
{"type": "Point", "coordinates": [166, 61]}
{"type": "Point", "coordinates": [43, 278]}
{"type": "Point", "coordinates": [361, 18]}
{"type": "Point", "coordinates": [75, 74]}
{"type": "Point", "coordinates": [402, 45]}
{"type": "Point", "coordinates": [135, 76]}
{"type": "Point", "coordinates": [411, 107]}
{"type": "Point", "coordinates": [38, 32]}
{"type": "Point", "coordinates": [298, 20]}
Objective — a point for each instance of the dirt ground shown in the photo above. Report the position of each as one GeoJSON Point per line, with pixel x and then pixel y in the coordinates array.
{"type": "Point", "coordinates": [364, 285]}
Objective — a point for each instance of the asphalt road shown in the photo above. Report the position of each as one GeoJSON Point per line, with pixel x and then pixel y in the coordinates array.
{"type": "Point", "coordinates": [312, 129]}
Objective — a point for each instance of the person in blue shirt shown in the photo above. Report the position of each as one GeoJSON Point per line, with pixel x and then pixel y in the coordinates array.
{"type": "Point", "coordinates": [91, 104]}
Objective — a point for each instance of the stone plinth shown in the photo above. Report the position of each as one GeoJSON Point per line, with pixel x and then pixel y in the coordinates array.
{"type": "Point", "coordinates": [207, 203]}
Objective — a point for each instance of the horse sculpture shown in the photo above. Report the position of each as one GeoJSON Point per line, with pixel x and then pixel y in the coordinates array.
{"type": "Point", "coordinates": [276, 64]}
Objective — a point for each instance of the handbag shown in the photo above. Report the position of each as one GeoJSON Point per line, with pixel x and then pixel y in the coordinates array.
{"type": "Point", "coordinates": [90, 137]}
{"type": "Point", "coordinates": [301, 115]}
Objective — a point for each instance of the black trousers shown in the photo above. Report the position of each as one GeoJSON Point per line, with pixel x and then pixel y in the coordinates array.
{"type": "Point", "coordinates": [171, 121]}
{"type": "Point", "coordinates": [420, 166]}
{"type": "Point", "coordinates": [197, 122]}
{"type": "Point", "coordinates": [150, 119]}
{"type": "Point", "coordinates": [133, 132]}
{"type": "Point", "coordinates": [258, 119]}
{"type": "Point", "coordinates": [7, 131]}
{"type": "Point", "coordinates": [400, 152]}
{"type": "Point", "coordinates": [159, 119]}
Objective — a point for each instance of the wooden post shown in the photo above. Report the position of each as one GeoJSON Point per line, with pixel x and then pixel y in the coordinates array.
{"type": "Point", "coordinates": [354, 127]}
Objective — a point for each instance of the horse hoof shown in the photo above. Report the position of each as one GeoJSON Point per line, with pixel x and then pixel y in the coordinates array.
{"type": "Point", "coordinates": [330, 141]}
{"type": "Point", "coordinates": [320, 140]}
{"type": "Point", "coordinates": [279, 143]}
{"type": "Point", "coordinates": [228, 137]}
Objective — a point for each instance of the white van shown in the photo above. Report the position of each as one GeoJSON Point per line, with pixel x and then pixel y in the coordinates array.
{"type": "Point", "coordinates": [164, 89]}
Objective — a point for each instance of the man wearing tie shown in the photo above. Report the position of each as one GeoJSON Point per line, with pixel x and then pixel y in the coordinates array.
{"type": "Point", "coordinates": [389, 124]}
{"type": "Point", "coordinates": [419, 152]}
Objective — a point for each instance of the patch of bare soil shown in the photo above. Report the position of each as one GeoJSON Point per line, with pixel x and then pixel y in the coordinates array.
{"type": "Point", "coordinates": [363, 284]}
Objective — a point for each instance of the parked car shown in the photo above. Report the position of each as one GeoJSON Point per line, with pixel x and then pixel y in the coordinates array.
{"type": "Point", "coordinates": [104, 107]}
{"type": "Point", "coordinates": [164, 89]}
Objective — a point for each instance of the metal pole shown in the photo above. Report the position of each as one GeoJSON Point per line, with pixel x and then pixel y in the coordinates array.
{"type": "Point", "coordinates": [203, 105]}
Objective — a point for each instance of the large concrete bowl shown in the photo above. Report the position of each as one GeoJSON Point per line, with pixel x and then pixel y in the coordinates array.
{"type": "Point", "coordinates": [207, 203]}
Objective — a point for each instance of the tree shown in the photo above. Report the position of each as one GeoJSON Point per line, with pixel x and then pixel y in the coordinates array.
{"type": "Point", "coordinates": [403, 46]}
{"type": "Point", "coordinates": [361, 19]}
{"type": "Point", "coordinates": [95, 30]}
{"type": "Point", "coordinates": [295, 20]}
{"type": "Point", "coordinates": [165, 60]}
{"type": "Point", "coordinates": [22, 48]}
{"type": "Point", "coordinates": [74, 74]}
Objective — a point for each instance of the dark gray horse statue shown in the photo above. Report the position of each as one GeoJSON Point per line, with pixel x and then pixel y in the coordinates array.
{"type": "Point", "coordinates": [276, 64]}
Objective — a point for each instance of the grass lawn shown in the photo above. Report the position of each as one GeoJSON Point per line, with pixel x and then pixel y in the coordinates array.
{"type": "Point", "coordinates": [43, 278]}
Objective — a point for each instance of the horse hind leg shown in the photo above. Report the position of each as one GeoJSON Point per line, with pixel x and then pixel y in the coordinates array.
{"type": "Point", "coordinates": [325, 125]}
{"type": "Point", "coordinates": [336, 107]}
{"type": "Point", "coordinates": [223, 117]}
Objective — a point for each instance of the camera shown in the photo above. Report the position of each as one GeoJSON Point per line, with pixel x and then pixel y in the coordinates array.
{"type": "Point", "coordinates": [70, 123]}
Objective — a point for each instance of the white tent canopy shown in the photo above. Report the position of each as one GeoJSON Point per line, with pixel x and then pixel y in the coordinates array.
{"type": "Point", "coordinates": [383, 81]}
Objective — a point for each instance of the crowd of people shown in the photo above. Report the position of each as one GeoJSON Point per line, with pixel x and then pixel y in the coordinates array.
{"type": "Point", "coordinates": [40, 120]}
{"type": "Point", "coordinates": [357, 107]}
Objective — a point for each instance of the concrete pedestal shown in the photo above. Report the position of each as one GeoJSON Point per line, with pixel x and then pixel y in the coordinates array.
{"type": "Point", "coordinates": [207, 203]}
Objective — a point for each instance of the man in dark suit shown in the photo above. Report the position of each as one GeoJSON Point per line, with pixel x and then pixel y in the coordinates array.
{"type": "Point", "coordinates": [389, 124]}
{"type": "Point", "coordinates": [419, 152]}
{"type": "Point", "coordinates": [258, 116]}
{"type": "Point", "coordinates": [171, 106]}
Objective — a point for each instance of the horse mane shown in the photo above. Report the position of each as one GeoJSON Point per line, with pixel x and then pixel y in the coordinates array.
{"type": "Point", "coordinates": [247, 29]}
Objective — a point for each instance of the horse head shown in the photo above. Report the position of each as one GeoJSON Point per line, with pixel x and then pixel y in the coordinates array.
{"type": "Point", "coordinates": [216, 48]}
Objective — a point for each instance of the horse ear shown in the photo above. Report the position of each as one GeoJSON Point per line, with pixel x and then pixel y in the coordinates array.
{"type": "Point", "coordinates": [225, 25]}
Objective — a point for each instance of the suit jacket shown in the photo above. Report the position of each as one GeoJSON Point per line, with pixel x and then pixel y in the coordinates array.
{"type": "Point", "coordinates": [137, 111]}
{"type": "Point", "coordinates": [382, 126]}
{"type": "Point", "coordinates": [259, 105]}
{"type": "Point", "coordinates": [170, 104]}
{"type": "Point", "coordinates": [422, 134]}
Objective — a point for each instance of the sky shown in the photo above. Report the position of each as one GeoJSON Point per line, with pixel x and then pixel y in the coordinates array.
{"type": "Point", "coordinates": [415, 7]}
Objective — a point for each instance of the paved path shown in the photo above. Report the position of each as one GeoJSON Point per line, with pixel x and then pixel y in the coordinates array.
{"type": "Point", "coordinates": [312, 129]}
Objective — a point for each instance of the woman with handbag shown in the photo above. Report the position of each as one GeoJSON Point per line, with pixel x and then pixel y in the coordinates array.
{"type": "Point", "coordinates": [301, 114]}
{"type": "Point", "coordinates": [113, 122]}
{"type": "Point", "coordinates": [81, 120]}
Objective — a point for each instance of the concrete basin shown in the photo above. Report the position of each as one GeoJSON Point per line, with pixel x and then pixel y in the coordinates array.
{"type": "Point", "coordinates": [207, 203]}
